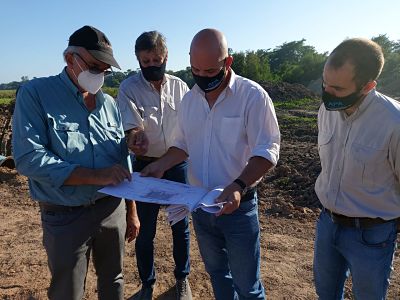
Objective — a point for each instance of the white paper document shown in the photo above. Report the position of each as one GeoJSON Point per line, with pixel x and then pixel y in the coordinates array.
{"type": "Point", "coordinates": [181, 198]}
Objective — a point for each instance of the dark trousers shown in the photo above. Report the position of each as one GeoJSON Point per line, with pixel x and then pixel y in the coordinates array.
{"type": "Point", "coordinates": [69, 238]}
{"type": "Point", "coordinates": [144, 245]}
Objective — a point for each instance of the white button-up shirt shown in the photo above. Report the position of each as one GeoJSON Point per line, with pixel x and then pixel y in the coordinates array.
{"type": "Point", "coordinates": [220, 141]}
{"type": "Point", "coordinates": [143, 106]}
{"type": "Point", "coordinates": [360, 159]}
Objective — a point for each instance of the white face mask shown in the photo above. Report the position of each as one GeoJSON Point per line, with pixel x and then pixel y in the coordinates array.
{"type": "Point", "coordinates": [90, 82]}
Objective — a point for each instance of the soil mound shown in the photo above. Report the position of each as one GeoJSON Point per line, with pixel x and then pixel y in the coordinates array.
{"type": "Point", "coordinates": [284, 91]}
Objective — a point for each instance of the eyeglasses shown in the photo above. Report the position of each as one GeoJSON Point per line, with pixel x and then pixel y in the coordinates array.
{"type": "Point", "coordinates": [95, 70]}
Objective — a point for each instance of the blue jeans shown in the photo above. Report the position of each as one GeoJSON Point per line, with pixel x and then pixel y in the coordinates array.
{"type": "Point", "coordinates": [144, 245]}
{"type": "Point", "coordinates": [230, 248]}
{"type": "Point", "coordinates": [366, 253]}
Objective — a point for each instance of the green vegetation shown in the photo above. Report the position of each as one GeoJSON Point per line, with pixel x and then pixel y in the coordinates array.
{"type": "Point", "coordinates": [305, 104]}
{"type": "Point", "coordinates": [6, 96]}
{"type": "Point", "coordinates": [293, 62]}
{"type": "Point", "coordinates": [112, 91]}
{"type": "Point", "coordinates": [6, 101]}
{"type": "Point", "coordinates": [389, 81]}
{"type": "Point", "coordinates": [307, 121]}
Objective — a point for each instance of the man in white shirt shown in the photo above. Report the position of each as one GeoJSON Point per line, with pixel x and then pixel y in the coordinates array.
{"type": "Point", "coordinates": [228, 128]}
{"type": "Point", "coordinates": [149, 102]}
{"type": "Point", "coordinates": [358, 143]}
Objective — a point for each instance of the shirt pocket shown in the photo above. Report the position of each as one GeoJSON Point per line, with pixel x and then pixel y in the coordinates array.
{"type": "Point", "coordinates": [113, 132]}
{"type": "Point", "coordinates": [169, 102]}
{"type": "Point", "coordinates": [371, 167]}
{"type": "Point", "coordinates": [152, 123]}
{"type": "Point", "coordinates": [325, 149]}
{"type": "Point", "coordinates": [232, 130]}
{"type": "Point", "coordinates": [170, 113]}
{"type": "Point", "coordinates": [66, 139]}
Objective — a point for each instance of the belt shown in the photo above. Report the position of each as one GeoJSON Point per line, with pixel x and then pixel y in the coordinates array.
{"type": "Point", "coordinates": [355, 221]}
{"type": "Point", "coordinates": [146, 158]}
{"type": "Point", "coordinates": [249, 195]}
{"type": "Point", "coordinates": [45, 206]}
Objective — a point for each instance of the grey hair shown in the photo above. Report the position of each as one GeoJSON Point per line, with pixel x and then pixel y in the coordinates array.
{"type": "Point", "coordinates": [72, 50]}
{"type": "Point", "coordinates": [151, 41]}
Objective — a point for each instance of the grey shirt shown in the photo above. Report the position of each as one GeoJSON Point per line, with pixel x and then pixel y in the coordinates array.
{"type": "Point", "coordinates": [143, 106]}
{"type": "Point", "coordinates": [360, 159]}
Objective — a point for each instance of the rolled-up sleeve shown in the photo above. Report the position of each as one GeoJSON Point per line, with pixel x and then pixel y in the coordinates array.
{"type": "Point", "coordinates": [263, 130]}
{"type": "Point", "coordinates": [30, 142]}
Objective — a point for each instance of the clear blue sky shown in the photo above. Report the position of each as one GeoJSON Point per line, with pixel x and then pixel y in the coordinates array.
{"type": "Point", "coordinates": [35, 33]}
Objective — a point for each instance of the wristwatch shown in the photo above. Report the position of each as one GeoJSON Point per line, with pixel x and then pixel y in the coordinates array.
{"type": "Point", "coordinates": [242, 185]}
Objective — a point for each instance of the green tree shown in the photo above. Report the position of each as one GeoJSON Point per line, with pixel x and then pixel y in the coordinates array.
{"type": "Point", "coordinates": [185, 75]}
{"type": "Point", "coordinates": [387, 45]}
{"type": "Point", "coordinates": [296, 62]}
{"type": "Point", "coordinates": [239, 62]}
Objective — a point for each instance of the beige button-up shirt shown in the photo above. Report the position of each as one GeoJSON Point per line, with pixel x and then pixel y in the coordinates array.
{"type": "Point", "coordinates": [220, 141]}
{"type": "Point", "coordinates": [360, 159]}
{"type": "Point", "coordinates": [143, 106]}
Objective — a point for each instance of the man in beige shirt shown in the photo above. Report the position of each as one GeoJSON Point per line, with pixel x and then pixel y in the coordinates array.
{"type": "Point", "coordinates": [149, 103]}
{"type": "Point", "coordinates": [358, 144]}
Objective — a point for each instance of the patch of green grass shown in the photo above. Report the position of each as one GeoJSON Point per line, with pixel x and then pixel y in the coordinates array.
{"type": "Point", "coordinates": [7, 94]}
{"type": "Point", "coordinates": [6, 101]}
{"type": "Point", "coordinates": [307, 121]}
{"type": "Point", "coordinates": [305, 104]}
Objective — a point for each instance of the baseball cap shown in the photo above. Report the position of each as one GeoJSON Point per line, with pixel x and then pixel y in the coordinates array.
{"type": "Point", "coordinates": [95, 42]}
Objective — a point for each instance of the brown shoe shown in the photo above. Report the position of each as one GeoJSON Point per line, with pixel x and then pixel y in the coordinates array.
{"type": "Point", "coordinates": [183, 291]}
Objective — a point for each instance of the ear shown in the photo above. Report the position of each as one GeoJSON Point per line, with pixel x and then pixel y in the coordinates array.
{"type": "Point", "coordinates": [229, 61]}
{"type": "Point", "coordinates": [69, 58]}
{"type": "Point", "coordinates": [368, 87]}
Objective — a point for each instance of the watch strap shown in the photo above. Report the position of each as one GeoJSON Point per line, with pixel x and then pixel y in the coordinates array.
{"type": "Point", "coordinates": [240, 183]}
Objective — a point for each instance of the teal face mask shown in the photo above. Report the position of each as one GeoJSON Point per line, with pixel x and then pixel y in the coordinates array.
{"type": "Point", "coordinates": [332, 102]}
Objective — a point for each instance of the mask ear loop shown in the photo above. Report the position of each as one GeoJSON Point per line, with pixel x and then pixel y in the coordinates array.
{"type": "Point", "coordinates": [79, 65]}
{"type": "Point", "coordinates": [73, 54]}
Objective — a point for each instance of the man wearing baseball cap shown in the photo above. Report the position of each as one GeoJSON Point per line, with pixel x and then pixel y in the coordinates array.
{"type": "Point", "coordinates": [69, 141]}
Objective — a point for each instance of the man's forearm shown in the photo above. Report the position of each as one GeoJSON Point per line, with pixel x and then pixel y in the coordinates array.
{"type": "Point", "coordinates": [81, 176]}
{"type": "Point", "coordinates": [131, 207]}
{"type": "Point", "coordinates": [255, 169]}
{"type": "Point", "coordinates": [172, 157]}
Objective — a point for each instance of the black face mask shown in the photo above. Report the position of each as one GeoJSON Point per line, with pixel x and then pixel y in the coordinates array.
{"type": "Point", "coordinates": [208, 84]}
{"type": "Point", "coordinates": [154, 73]}
{"type": "Point", "coordinates": [340, 103]}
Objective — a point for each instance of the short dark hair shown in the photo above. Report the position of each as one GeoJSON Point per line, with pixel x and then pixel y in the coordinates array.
{"type": "Point", "coordinates": [151, 41]}
{"type": "Point", "coordinates": [365, 55]}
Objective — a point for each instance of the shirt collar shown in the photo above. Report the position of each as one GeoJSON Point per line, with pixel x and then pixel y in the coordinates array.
{"type": "Point", "coordinates": [68, 82]}
{"type": "Point", "coordinates": [74, 89]}
{"type": "Point", "coordinates": [363, 106]}
{"type": "Point", "coordinates": [232, 81]}
{"type": "Point", "coordinates": [148, 83]}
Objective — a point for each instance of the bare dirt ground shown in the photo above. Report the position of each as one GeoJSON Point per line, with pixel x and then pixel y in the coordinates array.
{"type": "Point", "coordinates": [288, 210]}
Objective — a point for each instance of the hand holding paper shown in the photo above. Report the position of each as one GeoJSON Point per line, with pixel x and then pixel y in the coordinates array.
{"type": "Point", "coordinates": [181, 198]}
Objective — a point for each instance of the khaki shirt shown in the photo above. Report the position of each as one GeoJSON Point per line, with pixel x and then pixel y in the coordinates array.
{"type": "Point", "coordinates": [360, 159]}
{"type": "Point", "coordinates": [143, 106]}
